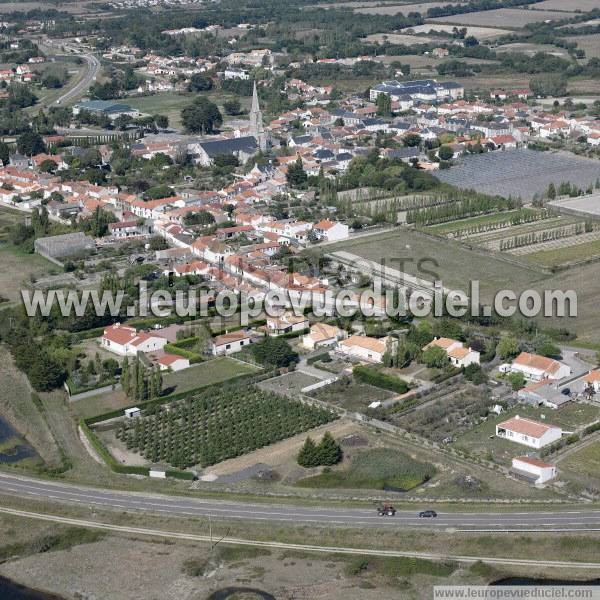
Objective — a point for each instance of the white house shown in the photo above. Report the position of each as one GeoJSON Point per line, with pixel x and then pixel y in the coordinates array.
{"type": "Point", "coordinates": [536, 367]}
{"type": "Point", "coordinates": [593, 379]}
{"type": "Point", "coordinates": [330, 230]}
{"type": "Point", "coordinates": [458, 355]}
{"type": "Point", "coordinates": [127, 341]}
{"type": "Point", "coordinates": [533, 468]}
{"type": "Point", "coordinates": [132, 412]}
{"type": "Point", "coordinates": [363, 347]}
{"type": "Point", "coordinates": [230, 342]}
{"type": "Point", "coordinates": [173, 362]}
{"type": "Point", "coordinates": [286, 323]}
{"type": "Point", "coordinates": [322, 335]}
{"type": "Point", "coordinates": [528, 432]}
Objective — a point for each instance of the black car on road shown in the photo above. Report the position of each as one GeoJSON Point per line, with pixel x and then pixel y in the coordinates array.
{"type": "Point", "coordinates": [427, 514]}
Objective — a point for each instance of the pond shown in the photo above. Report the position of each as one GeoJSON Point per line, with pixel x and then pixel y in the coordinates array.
{"type": "Point", "coordinates": [13, 448]}
{"type": "Point", "coordinates": [229, 592]}
{"type": "Point", "coordinates": [14, 591]}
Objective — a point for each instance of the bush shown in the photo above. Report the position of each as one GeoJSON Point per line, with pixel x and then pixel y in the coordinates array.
{"type": "Point", "coordinates": [381, 380]}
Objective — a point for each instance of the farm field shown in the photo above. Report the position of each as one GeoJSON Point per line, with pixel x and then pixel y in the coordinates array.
{"type": "Point", "coordinates": [18, 269]}
{"type": "Point", "coordinates": [512, 18]}
{"type": "Point", "coordinates": [482, 33]}
{"type": "Point", "coordinates": [590, 44]}
{"type": "Point", "coordinates": [394, 9]}
{"type": "Point", "coordinates": [456, 264]}
{"type": "Point", "coordinates": [377, 469]}
{"type": "Point", "coordinates": [520, 173]}
{"type": "Point", "coordinates": [462, 224]}
{"type": "Point", "coordinates": [217, 424]}
{"type": "Point", "coordinates": [490, 82]}
{"type": "Point", "coordinates": [531, 49]}
{"type": "Point", "coordinates": [397, 38]}
{"type": "Point", "coordinates": [580, 5]}
{"type": "Point", "coordinates": [565, 254]}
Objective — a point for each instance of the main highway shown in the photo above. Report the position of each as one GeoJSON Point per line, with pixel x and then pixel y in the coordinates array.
{"type": "Point", "coordinates": [537, 519]}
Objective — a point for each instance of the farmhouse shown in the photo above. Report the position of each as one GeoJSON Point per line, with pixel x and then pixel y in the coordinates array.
{"type": "Point", "coordinates": [533, 469]}
{"type": "Point", "coordinates": [228, 343]}
{"type": "Point", "coordinates": [536, 367]}
{"type": "Point", "coordinates": [458, 355]}
{"type": "Point", "coordinates": [321, 335]}
{"type": "Point", "coordinates": [127, 341]}
{"type": "Point", "coordinates": [363, 347]}
{"type": "Point", "coordinates": [528, 432]}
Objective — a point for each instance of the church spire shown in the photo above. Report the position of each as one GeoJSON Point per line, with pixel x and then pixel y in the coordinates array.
{"type": "Point", "coordinates": [256, 128]}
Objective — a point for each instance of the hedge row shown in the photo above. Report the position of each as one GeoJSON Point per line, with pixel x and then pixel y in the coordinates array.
{"type": "Point", "coordinates": [381, 380]}
{"type": "Point", "coordinates": [74, 389]}
{"type": "Point", "coordinates": [193, 357]}
{"type": "Point", "coordinates": [317, 357]}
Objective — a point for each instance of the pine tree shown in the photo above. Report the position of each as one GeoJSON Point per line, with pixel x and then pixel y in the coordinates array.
{"type": "Point", "coordinates": [307, 457]}
{"type": "Point", "coordinates": [328, 450]}
{"type": "Point", "coordinates": [125, 376]}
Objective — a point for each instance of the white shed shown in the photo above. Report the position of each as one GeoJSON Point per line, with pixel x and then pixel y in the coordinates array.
{"type": "Point", "coordinates": [132, 412]}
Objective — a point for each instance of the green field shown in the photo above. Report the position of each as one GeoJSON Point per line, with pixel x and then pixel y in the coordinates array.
{"type": "Point", "coordinates": [559, 256]}
{"type": "Point", "coordinates": [451, 262]}
{"type": "Point", "coordinates": [171, 103]}
{"type": "Point", "coordinates": [206, 373]}
{"type": "Point", "coordinates": [378, 469]}
{"type": "Point", "coordinates": [445, 228]}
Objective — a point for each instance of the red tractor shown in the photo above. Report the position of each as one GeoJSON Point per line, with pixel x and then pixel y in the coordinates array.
{"type": "Point", "coordinates": [386, 509]}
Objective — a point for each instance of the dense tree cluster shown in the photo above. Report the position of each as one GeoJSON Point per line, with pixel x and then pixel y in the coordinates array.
{"type": "Point", "coordinates": [326, 453]}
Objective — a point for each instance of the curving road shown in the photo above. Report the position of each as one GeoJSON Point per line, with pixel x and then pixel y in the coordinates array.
{"type": "Point", "coordinates": [584, 519]}
{"type": "Point", "coordinates": [81, 86]}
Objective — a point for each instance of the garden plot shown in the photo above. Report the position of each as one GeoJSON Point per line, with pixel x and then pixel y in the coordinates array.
{"type": "Point", "coordinates": [557, 244]}
{"type": "Point", "coordinates": [520, 173]}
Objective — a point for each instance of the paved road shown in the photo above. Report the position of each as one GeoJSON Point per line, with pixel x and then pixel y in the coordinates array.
{"type": "Point", "coordinates": [584, 519]}
{"type": "Point", "coordinates": [93, 67]}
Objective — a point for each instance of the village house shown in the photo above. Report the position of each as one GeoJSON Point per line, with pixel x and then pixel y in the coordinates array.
{"type": "Point", "coordinates": [127, 341]}
{"type": "Point", "coordinates": [286, 323]}
{"type": "Point", "coordinates": [228, 343]}
{"type": "Point", "coordinates": [593, 379]}
{"type": "Point", "coordinates": [363, 348]}
{"type": "Point", "coordinates": [458, 355]}
{"type": "Point", "coordinates": [330, 231]}
{"type": "Point", "coordinates": [528, 432]}
{"type": "Point", "coordinates": [172, 362]}
{"type": "Point", "coordinates": [322, 335]}
{"type": "Point", "coordinates": [536, 367]}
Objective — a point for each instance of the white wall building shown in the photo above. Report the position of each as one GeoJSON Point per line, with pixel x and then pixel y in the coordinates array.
{"type": "Point", "coordinates": [363, 348]}
{"type": "Point", "coordinates": [127, 341]}
{"type": "Point", "coordinates": [528, 432]}
{"type": "Point", "coordinates": [322, 335]}
{"type": "Point", "coordinates": [533, 468]}
{"type": "Point", "coordinates": [537, 367]}
{"type": "Point", "coordinates": [229, 343]}
{"type": "Point", "coordinates": [331, 231]}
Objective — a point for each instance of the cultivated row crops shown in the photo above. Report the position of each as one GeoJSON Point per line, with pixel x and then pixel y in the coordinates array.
{"type": "Point", "coordinates": [216, 424]}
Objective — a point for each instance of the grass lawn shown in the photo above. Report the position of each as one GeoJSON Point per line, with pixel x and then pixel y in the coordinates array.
{"type": "Point", "coordinates": [212, 371]}
{"type": "Point", "coordinates": [206, 373]}
{"type": "Point", "coordinates": [482, 440]}
{"type": "Point", "coordinates": [377, 469]}
{"type": "Point", "coordinates": [584, 462]}
{"type": "Point", "coordinates": [564, 255]}
{"type": "Point", "coordinates": [17, 268]}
